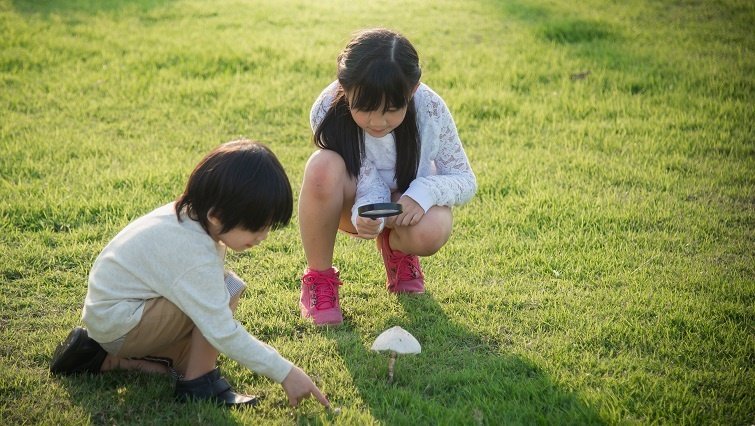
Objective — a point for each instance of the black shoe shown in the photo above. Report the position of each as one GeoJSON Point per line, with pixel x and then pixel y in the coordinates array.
{"type": "Point", "coordinates": [212, 387]}
{"type": "Point", "coordinates": [78, 354]}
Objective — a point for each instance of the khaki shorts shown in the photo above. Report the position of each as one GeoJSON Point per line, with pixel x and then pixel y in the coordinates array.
{"type": "Point", "coordinates": [164, 331]}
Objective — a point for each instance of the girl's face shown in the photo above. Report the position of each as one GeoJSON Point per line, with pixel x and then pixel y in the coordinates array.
{"type": "Point", "coordinates": [237, 239]}
{"type": "Point", "coordinates": [377, 123]}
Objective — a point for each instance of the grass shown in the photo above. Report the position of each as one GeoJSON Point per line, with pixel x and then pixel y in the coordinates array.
{"type": "Point", "coordinates": [604, 272]}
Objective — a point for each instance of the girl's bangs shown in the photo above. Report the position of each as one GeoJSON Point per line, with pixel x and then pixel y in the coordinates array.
{"type": "Point", "coordinates": [382, 83]}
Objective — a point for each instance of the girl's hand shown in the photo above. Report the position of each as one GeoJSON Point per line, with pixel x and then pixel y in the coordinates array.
{"type": "Point", "coordinates": [411, 215]}
{"type": "Point", "coordinates": [299, 386]}
{"type": "Point", "coordinates": [367, 227]}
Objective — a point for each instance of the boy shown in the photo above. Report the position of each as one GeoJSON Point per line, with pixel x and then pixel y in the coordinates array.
{"type": "Point", "coordinates": [159, 299]}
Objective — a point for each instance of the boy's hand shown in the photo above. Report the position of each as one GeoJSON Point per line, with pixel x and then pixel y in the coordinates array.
{"type": "Point", "coordinates": [367, 227]}
{"type": "Point", "coordinates": [299, 386]}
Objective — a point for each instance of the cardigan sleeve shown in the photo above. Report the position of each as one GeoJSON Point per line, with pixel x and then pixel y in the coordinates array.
{"type": "Point", "coordinates": [453, 182]}
{"type": "Point", "coordinates": [371, 189]}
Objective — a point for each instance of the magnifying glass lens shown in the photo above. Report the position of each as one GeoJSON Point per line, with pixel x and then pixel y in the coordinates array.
{"type": "Point", "coordinates": [379, 210]}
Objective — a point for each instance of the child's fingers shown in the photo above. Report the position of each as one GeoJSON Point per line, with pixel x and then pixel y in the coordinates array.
{"type": "Point", "coordinates": [294, 401]}
{"type": "Point", "coordinates": [320, 397]}
{"type": "Point", "coordinates": [368, 228]}
{"type": "Point", "coordinates": [416, 218]}
{"type": "Point", "coordinates": [406, 219]}
{"type": "Point", "coordinates": [409, 218]}
{"type": "Point", "coordinates": [390, 222]}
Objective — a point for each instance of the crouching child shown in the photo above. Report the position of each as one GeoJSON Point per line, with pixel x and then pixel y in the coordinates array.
{"type": "Point", "coordinates": [159, 298]}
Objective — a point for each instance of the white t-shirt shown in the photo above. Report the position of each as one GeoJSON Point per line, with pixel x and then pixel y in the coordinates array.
{"type": "Point", "coordinates": [444, 176]}
{"type": "Point", "coordinates": [158, 256]}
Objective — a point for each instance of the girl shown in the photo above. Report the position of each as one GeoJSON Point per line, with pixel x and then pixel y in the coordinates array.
{"type": "Point", "coordinates": [383, 136]}
{"type": "Point", "coordinates": [159, 299]}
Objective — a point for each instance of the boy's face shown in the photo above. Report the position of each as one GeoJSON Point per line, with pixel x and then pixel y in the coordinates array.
{"type": "Point", "coordinates": [240, 239]}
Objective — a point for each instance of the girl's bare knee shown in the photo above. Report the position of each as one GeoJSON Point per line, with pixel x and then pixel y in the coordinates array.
{"type": "Point", "coordinates": [324, 169]}
{"type": "Point", "coordinates": [421, 240]}
{"type": "Point", "coordinates": [428, 238]}
{"type": "Point", "coordinates": [430, 245]}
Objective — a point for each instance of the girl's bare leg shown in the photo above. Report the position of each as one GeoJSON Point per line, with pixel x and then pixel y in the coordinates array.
{"type": "Point", "coordinates": [325, 201]}
{"type": "Point", "coordinates": [426, 237]}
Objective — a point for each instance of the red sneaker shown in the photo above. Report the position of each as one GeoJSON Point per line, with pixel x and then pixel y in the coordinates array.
{"type": "Point", "coordinates": [319, 296]}
{"type": "Point", "coordinates": [403, 270]}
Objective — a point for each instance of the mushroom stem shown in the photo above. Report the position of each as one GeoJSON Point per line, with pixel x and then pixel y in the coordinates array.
{"type": "Point", "coordinates": [391, 362]}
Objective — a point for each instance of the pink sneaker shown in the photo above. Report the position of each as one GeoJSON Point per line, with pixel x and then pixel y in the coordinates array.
{"type": "Point", "coordinates": [319, 296]}
{"type": "Point", "coordinates": [403, 270]}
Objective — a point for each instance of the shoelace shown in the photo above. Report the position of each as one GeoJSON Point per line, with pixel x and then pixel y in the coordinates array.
{"type": "Point", "coordinates": [323, 290]}
{"type": "Point", "coordinates": [407, 267]}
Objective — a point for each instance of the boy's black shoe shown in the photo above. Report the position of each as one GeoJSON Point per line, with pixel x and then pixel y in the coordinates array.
{"type": "Point", "coordinates": [78, 354]}
{"type": "Point", "coordinates": [212, 387]}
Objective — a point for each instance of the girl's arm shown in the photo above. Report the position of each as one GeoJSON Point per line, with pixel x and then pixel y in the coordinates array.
{"type": "Point", "coordinates": [454, 183]}
{"type": "Point", "coordinates": [371, 189]}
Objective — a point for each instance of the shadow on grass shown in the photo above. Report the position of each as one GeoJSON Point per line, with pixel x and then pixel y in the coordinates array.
{"type": "Point", "coordinates": [599, 46]}
{"type": "Point", "coordinates": [604, 46]}
{"type": "Point", "coordinates": [459, 378]}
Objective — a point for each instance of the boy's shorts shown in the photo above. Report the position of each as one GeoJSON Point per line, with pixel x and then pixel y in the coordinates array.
{"type": "Point", "coordinates": [164, 331]}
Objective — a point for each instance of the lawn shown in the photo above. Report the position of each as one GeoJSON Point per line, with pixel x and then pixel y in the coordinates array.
{"type": "Point", "coordinates": [604, 272]}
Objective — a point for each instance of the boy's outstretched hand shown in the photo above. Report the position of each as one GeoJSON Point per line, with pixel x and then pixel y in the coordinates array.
{"type": "Point", "coordinates": [299, 386]}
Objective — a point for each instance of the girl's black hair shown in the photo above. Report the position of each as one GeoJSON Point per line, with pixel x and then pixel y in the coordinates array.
{"type": "Point", "coordinates": [241, 183]}
{"type": "Point", "coordinates": [377, 67]}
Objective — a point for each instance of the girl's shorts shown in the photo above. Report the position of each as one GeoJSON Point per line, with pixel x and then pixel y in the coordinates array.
{"type": "Point", "coordinates": [164, 331]}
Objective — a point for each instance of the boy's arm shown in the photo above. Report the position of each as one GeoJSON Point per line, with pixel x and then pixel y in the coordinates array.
{"type": "Point", "coordinates": [202, 295]}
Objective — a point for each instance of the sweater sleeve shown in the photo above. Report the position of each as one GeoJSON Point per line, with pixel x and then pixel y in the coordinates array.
{"type": "Point", "coordinates": [371, 189]}
{"type": "Point", "coordinates": [201, 294]}
{"type": "Point", "coordinates": [454, 182]}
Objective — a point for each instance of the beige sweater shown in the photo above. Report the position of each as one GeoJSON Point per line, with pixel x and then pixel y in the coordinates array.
{"type": "Point", "coordinates": [158, 256]}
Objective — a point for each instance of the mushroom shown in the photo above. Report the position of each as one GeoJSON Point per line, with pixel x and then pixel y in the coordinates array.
{"type": "Point", "coordinates": [396, 340]}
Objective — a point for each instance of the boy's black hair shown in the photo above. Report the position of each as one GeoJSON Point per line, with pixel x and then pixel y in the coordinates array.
{"type": "Point", "coordinates": [378, 66]}
{"type": "Point", "coordinates": [241, 183]}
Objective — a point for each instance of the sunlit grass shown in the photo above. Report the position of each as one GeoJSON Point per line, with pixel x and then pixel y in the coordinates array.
{"type": "Point", "coordinates": [604, 273]}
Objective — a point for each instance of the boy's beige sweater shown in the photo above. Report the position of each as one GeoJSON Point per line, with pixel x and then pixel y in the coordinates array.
{"type": "Point", "coordinates": [158, 256]}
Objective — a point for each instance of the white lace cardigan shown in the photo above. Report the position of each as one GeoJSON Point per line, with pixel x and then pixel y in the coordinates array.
{"type": "Point", "coordinates": [444, 176]}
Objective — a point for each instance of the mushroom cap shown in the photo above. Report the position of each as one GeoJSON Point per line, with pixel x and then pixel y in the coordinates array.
{"type": "Point", "coordinates": [398, 340]}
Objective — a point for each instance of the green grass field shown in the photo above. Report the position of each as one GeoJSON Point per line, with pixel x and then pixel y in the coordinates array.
{"type": "Point", "coordinates": [603, 273]}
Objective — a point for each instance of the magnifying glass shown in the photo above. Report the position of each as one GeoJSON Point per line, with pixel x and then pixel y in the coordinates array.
{"type": "Point", "coordinates": [375, 211]}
